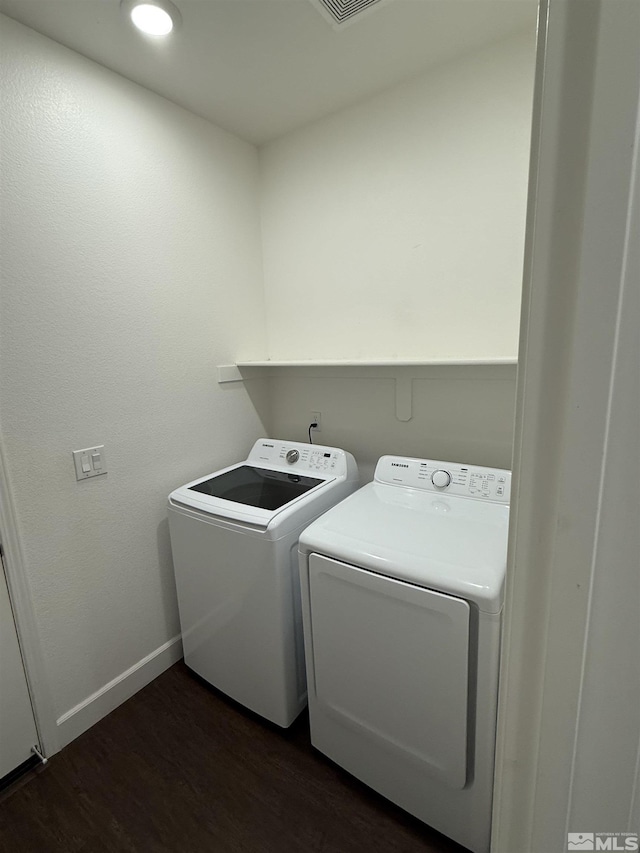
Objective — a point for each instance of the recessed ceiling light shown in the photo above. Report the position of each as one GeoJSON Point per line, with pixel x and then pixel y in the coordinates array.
{"type": "Point", "coordinates": [153, 17]}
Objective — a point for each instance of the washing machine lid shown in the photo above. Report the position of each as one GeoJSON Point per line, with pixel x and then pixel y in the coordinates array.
{"type": "Point", "coordinates": [277, 485]}
{"type": "Point", "coordinates": [257, 487]}
{"type": "Point", "coordinates": [247, 493]}
{"type": "Point", "coordinates": [447, 543]}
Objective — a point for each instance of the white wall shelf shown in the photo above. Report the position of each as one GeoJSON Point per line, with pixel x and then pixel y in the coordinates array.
{"type": "Point", "coordinates": [449, 362]}
{"type": "Point", "coordinates": [396, 369]}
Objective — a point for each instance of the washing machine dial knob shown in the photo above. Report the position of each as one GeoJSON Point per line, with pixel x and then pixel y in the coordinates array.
{"type": "Point", "coordinates": [292, 456]}
{"type": "Point", "coordinates": [441, 479]}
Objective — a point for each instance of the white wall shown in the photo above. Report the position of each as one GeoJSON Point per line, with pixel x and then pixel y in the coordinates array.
{"type": "Point", "coordinates": [462, 414]}
{"type": "Point", "coordinates": [131, 267]}
{"type": "Point", "coordinates": [396, 227]}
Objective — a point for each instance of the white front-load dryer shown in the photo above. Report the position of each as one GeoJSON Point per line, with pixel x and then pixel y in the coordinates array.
{"type": "Point", "coordinates": [234, 537]}
{"type": "Point", "coordinates": [402, 590]}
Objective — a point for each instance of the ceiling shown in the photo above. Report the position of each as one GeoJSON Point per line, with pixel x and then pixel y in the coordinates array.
{"type": "Point", "coordinates": [260, 68]}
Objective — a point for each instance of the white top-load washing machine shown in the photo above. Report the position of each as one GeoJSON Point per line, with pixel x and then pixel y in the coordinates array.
{"type": "Point", "coordinates": [402, 590]}
{"type": "Point", "coordinates": [234, 537]}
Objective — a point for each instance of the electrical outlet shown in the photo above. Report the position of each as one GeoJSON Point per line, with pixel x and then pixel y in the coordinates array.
{"type": "Point", "coordinates": [316, 418]}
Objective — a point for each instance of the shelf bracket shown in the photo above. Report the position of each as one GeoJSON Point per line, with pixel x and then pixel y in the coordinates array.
{"type": "Point", "coordinates": [404, 393]}
{"type": "Point", "coordinates": [228, 373]}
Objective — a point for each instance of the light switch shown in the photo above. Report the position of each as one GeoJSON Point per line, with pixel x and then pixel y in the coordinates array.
{"type": "Point", "coordinates": [89, 462]}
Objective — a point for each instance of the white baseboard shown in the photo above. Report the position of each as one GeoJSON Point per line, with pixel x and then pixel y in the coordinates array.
{"type": "Point", "coordinates": [103, 701]}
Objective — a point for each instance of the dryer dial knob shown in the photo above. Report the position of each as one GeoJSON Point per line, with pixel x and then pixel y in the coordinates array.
{"type": "Point", "coordinates": [292, 456]}
{"type": "Point", "coordinates": [441, 479]}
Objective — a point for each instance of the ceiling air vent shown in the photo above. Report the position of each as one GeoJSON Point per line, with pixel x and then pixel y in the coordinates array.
{"type": "Point", "coordinates": [340, 12]}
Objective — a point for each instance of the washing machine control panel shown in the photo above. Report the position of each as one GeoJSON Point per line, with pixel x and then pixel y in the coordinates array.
{"type": "Point", "coordinates": [302, 458]}
{"type": "Point", "coordinates": [490, 484]}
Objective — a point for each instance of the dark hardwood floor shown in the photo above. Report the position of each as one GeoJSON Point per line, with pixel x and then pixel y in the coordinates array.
{"type": "Point", "coordinates": [180, 768]}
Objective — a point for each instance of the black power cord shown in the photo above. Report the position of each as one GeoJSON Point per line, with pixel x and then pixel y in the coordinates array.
{"type": "Point", "coordinates": [314, 425]}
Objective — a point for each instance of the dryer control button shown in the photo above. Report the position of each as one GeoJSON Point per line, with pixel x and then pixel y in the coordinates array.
{"type": "Point", "coordinates": [292, 456]}
{"type": "Point", "coordinates": [441, 479]}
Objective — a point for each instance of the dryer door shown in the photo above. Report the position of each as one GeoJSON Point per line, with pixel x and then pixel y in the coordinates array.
{"type": "Point", "coordinates": [391, 660]}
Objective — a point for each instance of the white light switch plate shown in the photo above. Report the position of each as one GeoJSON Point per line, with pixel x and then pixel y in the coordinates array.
{"type": "Point", "coordinates": [89, 462]}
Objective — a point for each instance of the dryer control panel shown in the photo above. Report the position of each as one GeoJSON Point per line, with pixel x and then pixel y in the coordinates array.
{"type": "Point", "coordinates": [429, 475]}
